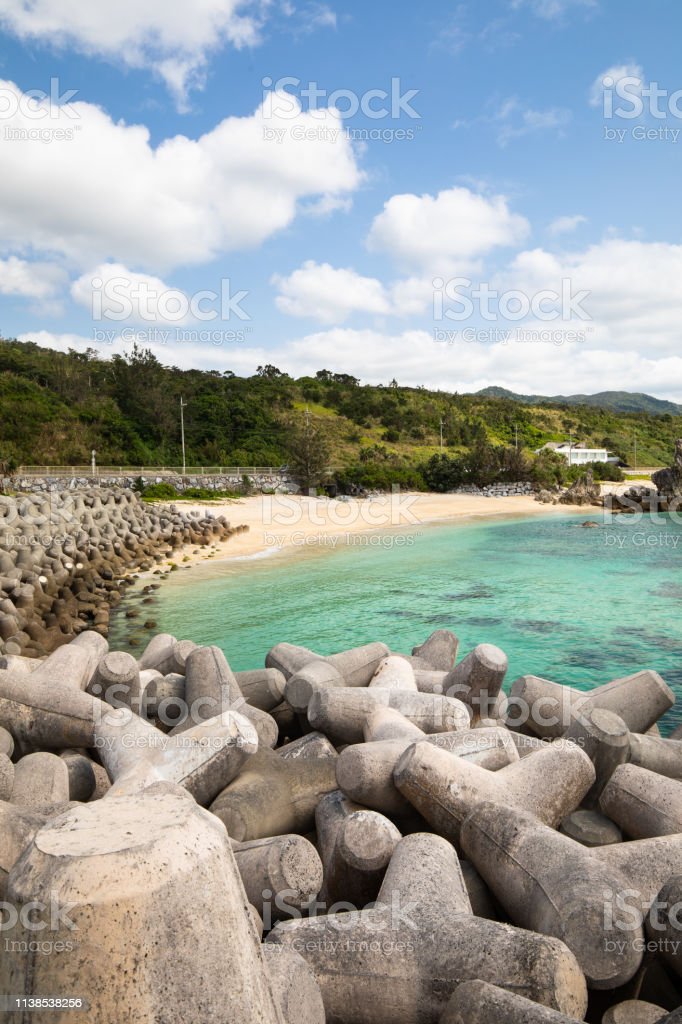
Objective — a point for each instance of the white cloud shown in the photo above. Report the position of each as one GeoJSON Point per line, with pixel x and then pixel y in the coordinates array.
{"type": "Point", "coordinates": [112, 292]}
{"type": "Point", "coordinates": [635, 290]}
{"type": "Point", "coordinates": [174, 39]}
{"type": "Point", "coordinates": [443, 233]}
{"type": "Point", "coordinates": [329, 294]}
{"type": "Point", "coordinates": [552, 10]}
{"type": "Point", "coordinates": [515, 120]}
{"type": "Point", "coordinates": [109, 194]}
{"type": "Point", "coordinates": [564, 225]}
{"type": "Point", "coordinates": [611, 76]}
{"type": "Point", "coordinates": [30, 280]}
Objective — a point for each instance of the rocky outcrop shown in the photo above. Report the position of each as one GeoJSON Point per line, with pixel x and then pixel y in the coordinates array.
{"type": "Point", "coordinates": [583, 492]}
{"type": "Point", "coordinates": [669, 481]}
{"type": "Point", "coordinates": [65, 558]}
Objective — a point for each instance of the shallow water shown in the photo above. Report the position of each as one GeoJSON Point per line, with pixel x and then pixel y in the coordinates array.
{"type": "Point", "coordinates": [580, 606]}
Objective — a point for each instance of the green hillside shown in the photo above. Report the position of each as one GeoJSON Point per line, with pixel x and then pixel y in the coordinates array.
{"type": "Point", "coordinates": [617, 401]}
{"type": "Point", "coordinates": [56, 407]}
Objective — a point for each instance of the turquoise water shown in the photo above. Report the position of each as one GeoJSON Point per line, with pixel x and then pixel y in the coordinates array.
{"type": "Point", "coordinates": [580, 606]}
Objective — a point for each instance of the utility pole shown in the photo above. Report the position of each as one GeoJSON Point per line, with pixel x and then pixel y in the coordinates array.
{"type": "Point", "coordinates": [516, 434]}
{"type": "Point", "coordinates": [441, 433]}
{"type": "Point", "coordinates": [570, 449]}
{"type": "Point", "coordinates": [183, 406]}
{"type": "Point", "coordinates": [635, 437]}
{"type": "Point", "coordinates": [93, 454]}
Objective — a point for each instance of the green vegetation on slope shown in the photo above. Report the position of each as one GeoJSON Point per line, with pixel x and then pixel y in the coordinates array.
{"type": "Point", "coordinates": [55, 407]}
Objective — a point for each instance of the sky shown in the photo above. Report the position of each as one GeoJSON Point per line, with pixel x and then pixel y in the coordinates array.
{"type": "Point", "coordinates": [454, 195]}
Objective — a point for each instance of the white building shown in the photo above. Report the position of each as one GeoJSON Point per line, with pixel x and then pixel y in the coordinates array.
{"type": "Point", "coordinates": [576, 454]}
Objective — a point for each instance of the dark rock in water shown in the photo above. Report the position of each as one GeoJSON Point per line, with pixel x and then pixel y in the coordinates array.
{"type": "Point", "coordinates": [475, 594]}
{"type": "Point", "coordinates": [590, 525]}
{"type": "Point", "coordinates": [669, 481]}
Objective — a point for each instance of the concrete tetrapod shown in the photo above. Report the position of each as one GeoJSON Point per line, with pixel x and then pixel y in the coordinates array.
{"type": "Point", "coordinates": [633, 1011]}
{"type": "Point", "coordinates": [47, 717]}
{"type": "Point", "coordinates": [46, 709]}
{"type": "Point", "coordinates": [591, 828]}
{"type": "Point", "coordinates": [6, 743]}
{"type": "Point", "coordinates": [400, 961]}
{"type": "Point", "coordinates": [82, 780]}
{"type": "Point", "coordinates": [262, 688]}
{"type": "Point", "coordinates": [478, 1002]}
{"type": "Point", "coordinates": [280, 874]}
{"type": "Point", "coordinates": [439, 649]}
{"type": "Point", "coordinates": [394, 673]}
{"type": "Point", "coordinates": [643, 803]}
{"type": "Point", "coordinates": [211, 689]}
{"type": "Point", "coordinates": [74, 663]}
{"type": "Point", "coordinates": [605, 738]}
{"type": "Point", "coordinates": [274, 796]}
{"type": "Point", "coordinates": [444, 789]}
{"type": "Point", "coordinates": [478, 678]}
{"type": "Point", "coordinates": [294, 987]}
{"type": "Point", "coordinates": [364, 771]}
{"type": "Point", "coordinates": [553, 885]}
{"type": "Point", "coordinates": [657, 755]}
{"type": "Point", "coordinates": [117, 681]}
{"type": "Point", "coordinates": [547, 708]}
{"type": "Point", "coordinates": [83, 857]}
{"type": "Point", "coordinates": [664, 923]}
{"type": "Point", "coordinates": [387, 724]}
{"type": "Point", "coordinates": [353, 668]}
{"type": "Point", "coordinates": [41, 781]}
{"type": "Point", "coordinates": [6, 777]}
{"type": "Point", "coordinates": [18, 825]}
{"type": "Point", "coordinates": [341, 714]}
{"type": "Point", "coordinates": [313, 744]}
{"type": "Point", "coordinates": [202, 760]}
{"type": "Point", "coordinates": [356, 846]}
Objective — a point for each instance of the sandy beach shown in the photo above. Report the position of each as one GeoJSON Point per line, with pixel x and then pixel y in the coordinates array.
{"type": "Point", "coordinates": [287, 522]}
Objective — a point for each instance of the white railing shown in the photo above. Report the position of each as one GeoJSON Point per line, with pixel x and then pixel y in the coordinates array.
{"type": "Point", "coordinates": [86, 471]}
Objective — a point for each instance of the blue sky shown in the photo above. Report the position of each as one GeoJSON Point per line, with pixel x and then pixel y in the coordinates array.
{"type": "Point", "coordinates": [163, 167]}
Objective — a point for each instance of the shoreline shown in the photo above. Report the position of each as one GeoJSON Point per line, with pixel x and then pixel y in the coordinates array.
{"type": "Point", "coordinates": [279, 524]}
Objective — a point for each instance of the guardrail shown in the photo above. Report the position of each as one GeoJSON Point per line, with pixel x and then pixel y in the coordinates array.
{"type": "Point", "coordinates": [150, 471]}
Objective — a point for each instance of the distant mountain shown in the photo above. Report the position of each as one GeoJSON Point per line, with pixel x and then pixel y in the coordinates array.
{"type": "Point", "coordinates": [617, 401]}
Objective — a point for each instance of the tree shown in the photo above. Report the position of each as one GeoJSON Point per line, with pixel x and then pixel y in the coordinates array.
{"type": "Point", "coordinates": [309, 451]}
{"type": "Point", "coordinates": [270, 372]}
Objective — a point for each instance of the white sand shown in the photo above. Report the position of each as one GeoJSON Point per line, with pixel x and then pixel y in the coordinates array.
{"type": "Point", "coordinates": [287, 522]}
